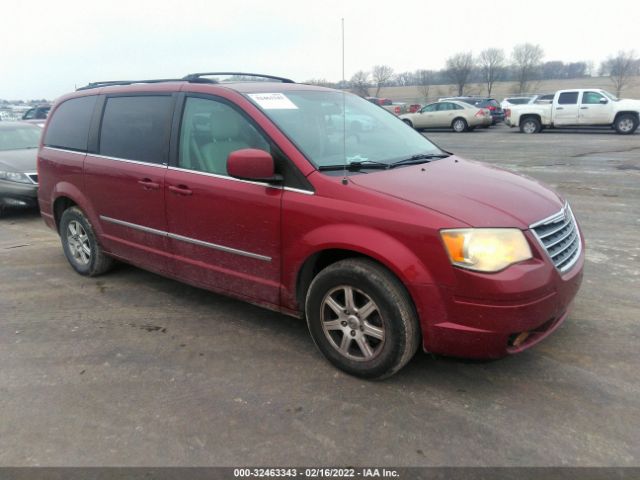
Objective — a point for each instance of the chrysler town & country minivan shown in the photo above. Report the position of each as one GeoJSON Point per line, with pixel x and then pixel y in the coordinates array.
{"type": "Point", "coordinates": [382, 241]}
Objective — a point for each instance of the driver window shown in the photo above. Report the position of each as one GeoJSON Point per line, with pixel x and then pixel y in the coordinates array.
{"type": "Point", "coordinates": [429, 108]}
{"type": "Point", "coordinates": [591, 98]}
{"type": "Point", "coordinates": [210, 131]}
{"type": "Point", "coordinates": [443, 107]}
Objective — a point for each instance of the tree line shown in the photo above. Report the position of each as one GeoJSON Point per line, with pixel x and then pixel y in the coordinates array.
{"type": "Point", "coordinates": [524, 67]}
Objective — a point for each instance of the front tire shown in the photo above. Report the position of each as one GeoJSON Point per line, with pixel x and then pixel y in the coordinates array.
{"type": "Point", "coordinates": [362, 319]}
{"type": "Point", "coordinates": [459, 125]}
{"type": "Point", "coordinates": [626, 124]}
{"type": "Point", "coordinates": [80, 245]}
{"type": "Point", "coordinates": [408, 122]}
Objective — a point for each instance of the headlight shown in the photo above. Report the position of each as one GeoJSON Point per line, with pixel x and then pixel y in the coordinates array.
{"type": "Point", "coordinates": [485, 249]}
{"type": "Point", "coordinates": [14, 176]}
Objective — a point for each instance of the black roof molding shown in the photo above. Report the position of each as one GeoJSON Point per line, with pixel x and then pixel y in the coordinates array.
{"type": "Point", "coordinates": [192, 78]}
{"type": "Point", "coordinates": [111, 83]}
{"type": "Point", "coordinates": [198, 77]}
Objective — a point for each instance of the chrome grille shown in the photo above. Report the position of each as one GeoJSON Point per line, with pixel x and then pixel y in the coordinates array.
{"type": "Point", "coordinates": [560, 238]}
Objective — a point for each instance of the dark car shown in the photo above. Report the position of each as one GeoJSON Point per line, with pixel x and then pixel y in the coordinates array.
{"type": "Point", "coordinates": [378, 238]}
{"type": "Point", "coordinates": [18, 152]}
{"type": "Point", "coordinates": [497, 113]}
{"type": "Point", "coordinates": [37, 113]}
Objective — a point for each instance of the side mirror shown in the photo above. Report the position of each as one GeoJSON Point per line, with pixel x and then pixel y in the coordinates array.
{"type": "Point", "coordinates": [604, 101]}
{"type": "Point", "coordinates": [252, 164]}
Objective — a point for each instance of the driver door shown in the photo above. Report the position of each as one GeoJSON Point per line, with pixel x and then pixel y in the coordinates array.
{"type": "Point", "coordinates": [595, 109]}
{"type": "Point", "coordinates": [224, 233]}
{"type": "Point", "coordinates": [426, 117]}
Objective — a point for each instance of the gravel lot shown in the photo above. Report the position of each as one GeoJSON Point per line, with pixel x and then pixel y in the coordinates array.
{"type": "Point", "coordinates": [134, 369]}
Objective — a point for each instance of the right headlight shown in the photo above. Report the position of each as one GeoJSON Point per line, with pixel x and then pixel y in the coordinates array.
{"type": "Point", "coordinates": [485, 249]}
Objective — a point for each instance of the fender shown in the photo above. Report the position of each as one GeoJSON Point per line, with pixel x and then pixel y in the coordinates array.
{"type": "Point", "coordinates": [373, 243]}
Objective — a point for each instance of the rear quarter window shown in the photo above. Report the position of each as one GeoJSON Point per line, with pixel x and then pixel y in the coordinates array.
{"type": "Point", "coordinates": [69, 126]}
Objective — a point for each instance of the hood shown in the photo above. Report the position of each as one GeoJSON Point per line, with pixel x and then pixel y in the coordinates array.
{"type": "Point", "coordinates": [477, 194]}
{"type": "Point", "coordinates": [628, 103]}
{"type": "Point", "coordinates": [23, 160]}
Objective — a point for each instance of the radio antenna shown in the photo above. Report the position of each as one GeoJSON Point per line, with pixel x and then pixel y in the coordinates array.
{"type": "Point", "coordinates": [345, 181]}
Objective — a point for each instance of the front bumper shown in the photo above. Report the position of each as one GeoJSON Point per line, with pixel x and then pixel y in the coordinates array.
{"type": "Point", "coordinates": [484, 314]}
{"type": "Point", "coordinates": [15, 193]}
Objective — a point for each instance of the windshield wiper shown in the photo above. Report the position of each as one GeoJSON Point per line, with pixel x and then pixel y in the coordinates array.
{"type": "Point", "coordinates": [418, 158]}
{"type": "Point", "coordinates": [355, 165]}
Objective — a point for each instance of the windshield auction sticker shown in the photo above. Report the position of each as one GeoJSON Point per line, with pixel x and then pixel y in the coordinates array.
{"type": "Point", "coordinates": [273, 101]}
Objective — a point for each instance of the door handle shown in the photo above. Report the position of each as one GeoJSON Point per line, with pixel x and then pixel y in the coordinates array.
{"type": "Point", "coordinates": [147, 184]}
{"type": "Point", "coordinates": [584, 108]}
{"type": "Point", "coordinates": [559, 108]}
{"type": "Point", "coordinates": [180, 189]}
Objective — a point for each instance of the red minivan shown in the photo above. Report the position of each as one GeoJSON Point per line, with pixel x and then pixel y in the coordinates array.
{"type": "Point", "coordinates": [378, 238]}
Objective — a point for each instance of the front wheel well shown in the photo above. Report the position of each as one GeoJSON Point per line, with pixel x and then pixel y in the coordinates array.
{"type": "Point", "coordinates": [631, 112]}
{"type": "Point", "coordinates": [59, 206]}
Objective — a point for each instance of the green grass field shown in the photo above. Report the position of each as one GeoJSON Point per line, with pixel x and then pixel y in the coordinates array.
{"type": "Point", "coordinates": [505, 89]}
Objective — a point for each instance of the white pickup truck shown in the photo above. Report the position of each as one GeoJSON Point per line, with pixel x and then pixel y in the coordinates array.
{"type": "Point", "coordinates": [576, 108]}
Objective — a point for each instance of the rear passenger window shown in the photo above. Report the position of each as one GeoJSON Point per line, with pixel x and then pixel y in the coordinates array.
{"type": "Point", "coordinates": [69, 126]}
{"type": "Point", "coordinates": [568, 98]}
{"type": "Point", "coordinates": [136, 128]}
{"type": "Point", "coordinates": [210, 131]}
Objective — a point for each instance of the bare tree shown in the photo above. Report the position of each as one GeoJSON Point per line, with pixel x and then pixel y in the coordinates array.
{"type": "Point", "coordinates": [381, 75]}
{"type": "Point", "coordinates": [458, 69]}
{"type": "Point", "coordinates": [424, 80]}
{"type": "Point", "coordinates": [491, 62]}
{"type": "Point", "coordinates": [404, 79]}
{"type": "Point", "coordinates": [360, 83]}
{"type": "Point", "coordinates": [526, 59]}
{"type": "Point", "coordinates": [621, 69]}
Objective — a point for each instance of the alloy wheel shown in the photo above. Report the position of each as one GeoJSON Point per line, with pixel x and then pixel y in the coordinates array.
{"type": "Point", "coordinates": [352, 323]}
{"type": "Point", "coordinates": [78, 242]}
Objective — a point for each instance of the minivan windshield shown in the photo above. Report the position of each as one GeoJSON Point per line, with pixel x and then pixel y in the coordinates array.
{"type": "Point", "coordinates": [365, 134]}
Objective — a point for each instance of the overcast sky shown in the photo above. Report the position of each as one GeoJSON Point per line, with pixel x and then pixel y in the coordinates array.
{"type": "Point", "coordinates": [49, 47]}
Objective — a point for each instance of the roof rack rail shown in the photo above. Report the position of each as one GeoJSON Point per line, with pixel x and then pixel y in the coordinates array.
{"type": "Point", "coordinates": [198, 77]}
{"type": "Point", "coordinates": [110, 83]}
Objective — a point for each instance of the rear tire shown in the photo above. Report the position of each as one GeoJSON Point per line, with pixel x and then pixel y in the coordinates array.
{"type": "Point", "coordinates": [459, 125]}
{"type": "Point", "coordinates": [80, 245]}
{"type": "Point", "coordinates": [362, 319]}
{"type": "Point", "coordinates": [626, 124]}
{"type": "Point", "coordinates": [530, 125]}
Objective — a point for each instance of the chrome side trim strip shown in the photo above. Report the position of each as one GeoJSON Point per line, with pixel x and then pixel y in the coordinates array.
{"type": "Point", "coordinates": [223, 177]}
{"type": "Point", "coordinates": [178, 169]}
{"type": "Point", "coordinates": [298, 190]}
{"type": "Point", "coordinates": [56, 149]}
{"type": "Point", "coordinates": [125, 160]}
{"type": "Point", "coordinates": [226, 177]}
{"type": "Point", "coordinates": [220, 247]}
{"type": "Point", "coordinates": [193, 241]}
{"type": "Point", "coordinates": [135, 226]}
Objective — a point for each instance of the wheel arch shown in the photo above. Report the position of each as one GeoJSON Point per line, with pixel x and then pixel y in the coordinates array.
{"type": "Point", "coordinates": [398, 259]}
{"type": "Point", "coordinates": [530, 115]}
{"type": "Point", "coordinates": [66, 195]}
{"type": "Point", "coordinates": [627, 112]}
